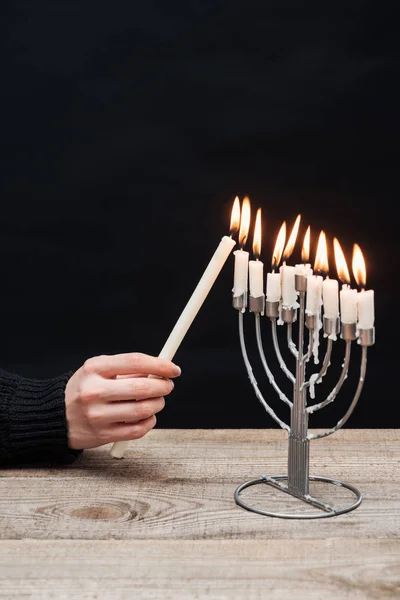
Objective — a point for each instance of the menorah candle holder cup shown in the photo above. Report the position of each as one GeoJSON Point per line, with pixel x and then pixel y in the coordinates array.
{"type": "Point", "coordinates": [296, 482]}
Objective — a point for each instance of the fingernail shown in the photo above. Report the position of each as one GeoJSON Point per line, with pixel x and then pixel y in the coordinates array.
{"type": "Point", "coordinates": [177, 370]}
{"type": "Point", "coordinates": [172, 383]}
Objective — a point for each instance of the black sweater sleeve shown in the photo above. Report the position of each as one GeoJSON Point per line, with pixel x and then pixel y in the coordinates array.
{"type": "Point", "coordinates": [33, 426]}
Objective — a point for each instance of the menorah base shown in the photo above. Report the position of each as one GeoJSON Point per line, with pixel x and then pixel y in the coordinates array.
{"type": "Point", "coordinates": [276, 482]}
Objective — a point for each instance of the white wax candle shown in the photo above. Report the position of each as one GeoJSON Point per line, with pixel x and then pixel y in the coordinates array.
{"type": "Point", "coordinates": [313, 307]}
{"type": "Point", "coordinates": [256, 278]}
{"type": "Point", "coordinates": [189, 313]}
{"type": "Point", "coordinates": [303, 270]}
{"type": "Point", "coordinates": [314, 283]}
{"type": "Point", "coordinates": [330, 298]}
{"type": "Point", "coordinates": [289, 294]}
{"type": "Point", "coordinates": [348, 304]}
{"type": "Point", "coordinates": [366, 310]}
{"type": "Point", "coordinates": [273, 287]}
{"type": "Point", "coordinates": [240, 280]}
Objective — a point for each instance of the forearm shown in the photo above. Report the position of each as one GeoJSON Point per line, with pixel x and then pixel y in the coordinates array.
{"type": "Point", "coordinates": [32, 420]}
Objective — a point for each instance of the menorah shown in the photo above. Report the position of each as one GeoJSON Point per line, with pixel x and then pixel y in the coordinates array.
{"type": "Point", "coordinates": [297, 480]}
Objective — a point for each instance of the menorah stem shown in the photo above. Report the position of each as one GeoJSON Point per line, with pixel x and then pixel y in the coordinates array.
{"type": "Point", "coordinates": [298, 457]}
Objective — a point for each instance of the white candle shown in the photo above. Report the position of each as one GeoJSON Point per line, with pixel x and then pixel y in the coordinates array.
{"type": "Point", "coordinates": [303, 270]}
{"type": "Point", "coordinates": [273, 287]}
{"type": "Point", "coordinates": [313, 307]}
{"type": "Point", "coordinates": [256, 278]}
{"type": "Point", "coordinates": [189, 313]}
{"type": "Point", "coordinates": [330, 298]}
{"type": "Point", "coordinates": [314, 283]}
{"type": "Point", "coordinates": [289, 294]}
{"type": "Point", "coordinates": [366, 311]}
{"type": "Point", "coordinates": [240, 280]}
{"type": "Point", "coordinates": [348, 304]}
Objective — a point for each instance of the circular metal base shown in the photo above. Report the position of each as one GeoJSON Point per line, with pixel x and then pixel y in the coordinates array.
{"type": "Point", "coordinates": [324, 513]}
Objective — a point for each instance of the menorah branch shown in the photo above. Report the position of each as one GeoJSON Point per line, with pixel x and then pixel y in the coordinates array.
{"type": "Point", "coordinates": [308, 354]}
{"type": "Point", "coordinates": [253, 379]}
{"type": "Point", "coordinates": [317, 378]}
{"type": "Point", "coordinates": [290, 342]}
{"type": "Point", "coordinates": [339, 424]}
{"type": "Point", "coordinates": [267, 370]}
{"type": "Point", "coordinates": [281, 362]}
{"type": "Point", "coordinates": [336, 389]}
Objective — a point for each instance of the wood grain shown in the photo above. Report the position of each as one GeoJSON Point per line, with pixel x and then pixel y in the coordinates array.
{"type": "Point", "coordinates": [162, 523]}
{"type": "Point", "coordinates": [180, 484]}
{"type": "Point", "coordinates": [218, 569]}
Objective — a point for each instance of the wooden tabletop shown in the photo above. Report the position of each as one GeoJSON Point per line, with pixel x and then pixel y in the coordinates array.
{"type": "Point", "coordinates": [162, 522]}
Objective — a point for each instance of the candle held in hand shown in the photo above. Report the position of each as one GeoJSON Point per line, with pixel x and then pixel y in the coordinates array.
{"type": "Point", "coordinates": [189, 313]}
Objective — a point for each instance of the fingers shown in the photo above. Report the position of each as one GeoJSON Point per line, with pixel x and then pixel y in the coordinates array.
{"type": "Point", "coordinates": [122, 432]}
{"type": "Point", "coordinates": [134, 389]}
{"type": "Point", "coordinates": [106, 415]}
{"type": "Point", "coordinates": [131, 363]}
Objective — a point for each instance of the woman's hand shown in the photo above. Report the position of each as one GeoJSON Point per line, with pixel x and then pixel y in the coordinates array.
{"type": "Point", "coordinates": [112, 398]}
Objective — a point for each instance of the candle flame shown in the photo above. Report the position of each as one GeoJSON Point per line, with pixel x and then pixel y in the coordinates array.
{"type": "Point", "coordinates": [359, 270]}
{"type": "Point", "coordinates": [257, 235]}
{"type": "Point", "coordinates": [305, 252]}
{"type": "Point", "coordinates": [279, 246]}
{"type": "Point", "coordinates": [235, 216]}
{"type": "Point", "coordinates": [292, 239]}
{"type": "Point", "coordinates": [321, 259]}
{"type": "Point", "coordinates": [244, 221]}
{"type": "Point", "coordinates": [341, 264]}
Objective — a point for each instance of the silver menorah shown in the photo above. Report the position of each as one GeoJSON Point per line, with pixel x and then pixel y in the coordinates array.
{"type": "Point", "coordinates": [297, 480]}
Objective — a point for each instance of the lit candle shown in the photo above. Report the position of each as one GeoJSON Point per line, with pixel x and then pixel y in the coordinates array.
{"type": "Point", "coordinates": [330, 298]}
{"type": "Point", "coordinates": [305, 269]}
{"type": "Point", "coordinates": [314, 290]}
{"type": "Point", "coordinates": [190, 311]}
{"type": "Point", "coordinates": [273, 287]}
{"type": "Point", "coordinates": [274, 279]}
{"type": "Point", "coordinates": [256, 267]}
{"type": "Point", "coordinates": [314, 293]}
{"type": "Point", "coordinates": [240, 280]}
{"type": "Point", "coordinates": [289, 293]}
{"type": "Point", "coordinates": [348, 304]}
{"type": "Point", "coordinates": [348, 297]}
{"type": "Point", "coordinates": [366, 311]}
{"type": "Point", "coordinates": [365, 299]}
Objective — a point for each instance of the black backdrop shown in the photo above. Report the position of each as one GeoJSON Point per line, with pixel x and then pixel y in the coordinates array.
{"type": "Point", "coordinates": [127, 128]}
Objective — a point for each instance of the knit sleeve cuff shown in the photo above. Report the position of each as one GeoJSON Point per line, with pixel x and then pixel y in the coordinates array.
{"type": "Point", "coordinates": [36, 426]}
